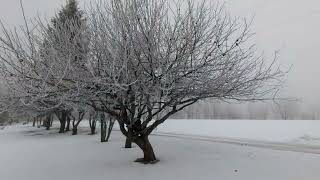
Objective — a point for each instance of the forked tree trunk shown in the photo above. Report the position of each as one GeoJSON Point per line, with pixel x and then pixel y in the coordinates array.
{"type": "Point", "coordinates": [76, 122]}
{"type": "Point", "coordinates": [111, 123]}
{"type": "Point", "coordinates": [148, 154]}
{"type": "Point", "coordinates": [75, 127]}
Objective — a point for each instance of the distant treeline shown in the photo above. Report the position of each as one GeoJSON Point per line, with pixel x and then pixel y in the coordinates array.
{"type": "Point", "coordinates": [222, 110]}
{"type": "Point", "coordinates": [258, 111]}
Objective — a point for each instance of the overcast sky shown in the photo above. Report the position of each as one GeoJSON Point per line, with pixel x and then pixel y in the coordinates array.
{"type": "Point", "coordinates": [291, 26]}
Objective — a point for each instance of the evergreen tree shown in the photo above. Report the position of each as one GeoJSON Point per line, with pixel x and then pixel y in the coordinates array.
{"type": "Point", "coordinates": [70, 11]}
{"type": "Point", "coordinates": [70, 19]}
{"type": "Point", "coordinates": [67, 29]}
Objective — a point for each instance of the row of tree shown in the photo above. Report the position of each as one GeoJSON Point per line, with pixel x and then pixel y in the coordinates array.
{"type": "Point", "coordinates": [46, 120]}
{"type": "Point", "coordinates": [69, 20]}
{"type": "Point", "coordinates": [138, 61]}
{"type": "Point", "coordinates": [283, 110]}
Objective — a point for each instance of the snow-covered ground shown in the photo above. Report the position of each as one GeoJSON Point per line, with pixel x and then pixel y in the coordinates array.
{"type": "Point", "coordinates": [273, 131]}
{"type": "Point", "coordinates": [28, 153]}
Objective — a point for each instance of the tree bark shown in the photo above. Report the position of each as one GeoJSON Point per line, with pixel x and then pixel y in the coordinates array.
{"type": "Point", "coordinates": [128, 139]}
{"type": "Point", "coordinates": [74, 127]}
{"type": "Point", "coordinates": [128, 143]}
{"type": "Point", "coordinates": [103, 127]}
{"type": "Point", "coordinates": [62, 126]}
{"type": "Point", "coordinates": [92, 124]}
{"type": "Point", "coordinates": [111, 123]}
{"type": "Point", "coordinates": [148, 154]}
{"type": "Point", "coordinates": [74, 130]}
{"type": "Point", "coordinates": [39, 122]}
{"type": "Point", "coordinates": [93, 128]}
{"type": "Point", "coordinates": [68, 123]}
{"type": "Point", "coordinates": [47, 122]}
{"type": "Point", "coordinates": [51, 121]}
{"type": "Point", "coordinates": [34, 122]}
{"type": "Point", "coordinates": [76, 122]}
{"type": "Point", "coordinates": [63, 120]}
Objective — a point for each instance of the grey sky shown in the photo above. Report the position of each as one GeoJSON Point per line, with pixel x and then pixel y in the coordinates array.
{"type": "Point", "coordinates": [291, 26]}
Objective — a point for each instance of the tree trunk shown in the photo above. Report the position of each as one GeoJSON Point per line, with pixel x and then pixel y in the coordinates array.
{"type": "Point", "coordinates": [75, 127]}
{"type": "Point", "coordinates": [38, 122]}
{"type": "Point", "coordinates": [68, 123]}
{"type": "Point", "coordinates": [51, 121]}
{"type": "Point", "coordinates": [148, 154]}
{"type": "Point", "coordinates": [75, 130]}
{"type": "Point", "coordinates": [34, 122]}
{"type": "Point", "coordinates": [103, 127]}
{"type": "Point", "coordinates": [103, 132]}
{"type": "Point", "coordinates": [111, 123]}
{"type": "Point", "coordinates": [128, 143]}
{"type": "Point", "coordinates": [62, 126]}
{"type": "Point", "coordinates": [128, 139]}
{"type": "Point", "coordinates": [76, 122]}
{"type": "Point", "coordinates": [47, 122]}
{"type": "Point", "coordinates": [92, 124]}
{"type": "Point", "coordinates": [93, 128]}
{"type": "Point", "coordinates": [63, 120]}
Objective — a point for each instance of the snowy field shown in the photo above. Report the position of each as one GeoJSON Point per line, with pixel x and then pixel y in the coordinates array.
{"type": "Point", "coordinates": [293, 132]}
{"type": "Point", "coordinates": [28, 153]}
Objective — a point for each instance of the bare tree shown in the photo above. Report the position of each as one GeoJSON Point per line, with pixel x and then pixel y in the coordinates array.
{"type": "Point", "coordinates": [77, 118]}
{"type": "Point", "coordinates": [141, 62]}
{"type": "Point", "coordinates": [36, 61]}
{"type": "Point", "coordinates": [106, 127]}
{"type": "Point", "coordinates": [151, 59]}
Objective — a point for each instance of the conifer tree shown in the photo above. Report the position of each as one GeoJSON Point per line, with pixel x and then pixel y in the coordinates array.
{"type": "Point", "coordinates": [67, 29]}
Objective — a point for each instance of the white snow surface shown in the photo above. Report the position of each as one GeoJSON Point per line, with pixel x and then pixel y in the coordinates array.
{"type": "Point", "coordinates": [28, 153]}
{"type": "Point", "coordinates": [279, 131]}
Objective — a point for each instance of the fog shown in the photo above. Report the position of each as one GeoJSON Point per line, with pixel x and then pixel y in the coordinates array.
{"type": "Point", "coordinates": [290, 26]}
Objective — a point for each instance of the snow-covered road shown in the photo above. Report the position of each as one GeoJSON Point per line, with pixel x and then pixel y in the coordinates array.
{"type": "Point", "coordinates": [28, 153]}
